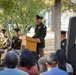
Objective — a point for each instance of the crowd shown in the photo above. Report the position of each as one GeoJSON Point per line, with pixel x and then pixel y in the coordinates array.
{"type": "Point", "coordinates": [24, 64]}
{"type": "Point", "coordinates": [60, 61]}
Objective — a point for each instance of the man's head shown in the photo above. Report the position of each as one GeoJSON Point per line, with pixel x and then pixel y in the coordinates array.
{"type": "Point", "coordinates": [51, 60]}
{"type": "Point", "coordinates": [11, 59]}
{"type": "Point", "coordinates": [63, 35]}
{"type": "Point", "coordinates": [38, 19]}
{"type": "Point", "coordinates": [18, 32]}
{"type": "Point", "coordinates": [3, 32]}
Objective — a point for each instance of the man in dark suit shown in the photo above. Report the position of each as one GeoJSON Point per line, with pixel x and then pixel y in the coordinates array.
{"type": "Point", "coordinates": [16, 42]}
{"type": "Point", "coordinates": [40, 33]}
{"type": "Point", "coordinates": [63, 40]}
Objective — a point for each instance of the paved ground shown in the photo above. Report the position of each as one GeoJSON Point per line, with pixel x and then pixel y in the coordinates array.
{"type": "Point", "coordinates": [49, 47]}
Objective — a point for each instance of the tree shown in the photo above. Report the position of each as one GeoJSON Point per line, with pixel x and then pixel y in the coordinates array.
{"type": "Point", "coordinates": [20, 12]}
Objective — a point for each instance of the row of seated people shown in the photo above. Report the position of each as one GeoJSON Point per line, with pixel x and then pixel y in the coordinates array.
{"type": "Point", "coordinates": [22, 64]}
{"type": "Point", "coordinates": [53, 64]}
{"type": "Point", "coordinates": [60, 62]}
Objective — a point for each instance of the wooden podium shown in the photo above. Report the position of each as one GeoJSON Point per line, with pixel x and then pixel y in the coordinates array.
{"type": "Point", "coordinates": [29, 43]}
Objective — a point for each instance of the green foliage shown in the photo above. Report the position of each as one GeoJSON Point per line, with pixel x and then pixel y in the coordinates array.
{"type": "Point", "coordinates": [20, 12]}
{"type": "Point", "coordinates": [68, 5]}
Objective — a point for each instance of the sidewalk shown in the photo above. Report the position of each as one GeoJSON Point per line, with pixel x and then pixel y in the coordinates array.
{"type": "Point", "coordinates": [49, 46]}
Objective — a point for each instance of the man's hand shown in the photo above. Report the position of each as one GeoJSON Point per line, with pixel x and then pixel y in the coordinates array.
{"type": "Point", "coordinates": [38, 40]}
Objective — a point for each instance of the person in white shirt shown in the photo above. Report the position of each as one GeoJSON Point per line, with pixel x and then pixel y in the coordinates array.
{"type": "Point", "coordinates": [62, 64]}
{"type": "Point", "coordinates": [51, 63]}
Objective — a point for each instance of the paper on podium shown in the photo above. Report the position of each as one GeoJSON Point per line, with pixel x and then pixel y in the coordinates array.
{"type": "Point", "coordinates": [22, 37]}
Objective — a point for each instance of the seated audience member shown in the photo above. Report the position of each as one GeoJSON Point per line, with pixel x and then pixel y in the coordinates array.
{"type": "Point", "coordinates": [11, 61]}
{"type": "Point", "coordinates": [16, 42]}
{"type": "Point", "coordinates": [27, 62]}
{"type": "Point", "coordinates": [52, 62]}
{"type": "Point", "coordinates": [62, 61]}
{"type": "Point", "coordinates": [42, 64]}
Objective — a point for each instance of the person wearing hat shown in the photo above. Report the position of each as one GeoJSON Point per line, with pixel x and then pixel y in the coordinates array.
{"type": "Point", "coordinates": [52, 66]}
{"type": "Point", "coordinates": [11, 62]}
{"type": "Point", "coordinates": [63, 40]}
{"type": "Point", "coordinates": [16, 42]}
{"type": "Point", "coordinates": [4, 42]}
{"type": "Point", "coordinates": [40, 34]}
{"type": "Point", "coordinates": [3, 31]}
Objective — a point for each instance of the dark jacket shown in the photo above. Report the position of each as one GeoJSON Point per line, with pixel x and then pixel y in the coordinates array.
{"type": "Point", "coordinates": [16, 43]}
{"type": "Point", "coordinates": [63, 44]}
{"type": "Point", "coordinates": [40, 33]}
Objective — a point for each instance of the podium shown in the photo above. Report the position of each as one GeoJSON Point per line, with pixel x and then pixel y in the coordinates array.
{"type": "Point", "coordinates": [29, 43]}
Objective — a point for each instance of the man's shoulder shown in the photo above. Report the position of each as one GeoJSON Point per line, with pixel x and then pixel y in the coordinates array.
{"type": "Point", "coordinates": [3, 72]}
{"type": "Point", "coordinates": [63, 72]}
{"type": "Point", "coordinates": [44, 73]}
{"type": "Point", "coordinates": [14, 37]}
{"type": "Point", "coordinates": [43, 26]}
{"type": "Point", "coordinates": [55, 72]}
{"type": "Point", "coordinates": [23, 72]}
{"type": "Point", "coordinates": [64, 40]}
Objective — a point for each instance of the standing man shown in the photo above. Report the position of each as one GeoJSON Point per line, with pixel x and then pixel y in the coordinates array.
{"type": "Point", "coordinates": [40, 33]}
{"type": "Point", "coordinates": [63, 40]}
{"type": "Point", "coordinates": [16, 42]}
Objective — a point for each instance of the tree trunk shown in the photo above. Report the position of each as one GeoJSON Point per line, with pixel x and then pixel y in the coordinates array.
{"type": "Point", "coordinates": [52, 19]}
{"type": "Point", "coordinates": [57, 23]}
{"type": "Point", "coordinates": [7, 29]}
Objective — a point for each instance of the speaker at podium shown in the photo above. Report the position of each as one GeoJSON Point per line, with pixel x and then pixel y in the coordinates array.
{"type": "Point", "coordinates": [28, 43]}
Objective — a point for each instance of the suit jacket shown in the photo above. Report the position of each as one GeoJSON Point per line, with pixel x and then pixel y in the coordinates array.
{"type": "Point", "coordinates": [16, 43]}
{"type": "Point", "coordinates": [63, 44]}
{"type": "Point", "coordinates": [40, 33]}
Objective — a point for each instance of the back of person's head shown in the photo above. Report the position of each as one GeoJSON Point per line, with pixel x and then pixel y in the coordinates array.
{"type": "Point", "coordinates": [42, 64]}
{"type": "Point", "coordinates": [52, 59]}
{"type": "Point", "coordinates": [11, 59]}
{"type": "Point", "coordinates": [27, 59]}
{"type": "Point", "coordinates": [61, 59]}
